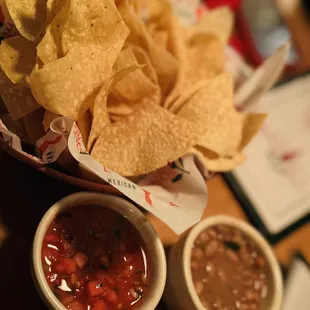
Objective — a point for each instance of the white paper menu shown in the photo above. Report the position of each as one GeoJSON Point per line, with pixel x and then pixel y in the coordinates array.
{"type": "Point", "coordinates": [297, 290]}
{"type": "Point", "coordinates": [276, 176]}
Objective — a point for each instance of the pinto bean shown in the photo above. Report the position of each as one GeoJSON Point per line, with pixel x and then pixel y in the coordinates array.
{"type": "Point", "coordinates": [198, 287]}
{"type": "Point", "coordinates": [211, 248]}
{"type": "Point", "coordinates": [197, 253]}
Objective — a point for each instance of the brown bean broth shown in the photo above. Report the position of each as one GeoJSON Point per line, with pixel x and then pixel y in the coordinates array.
{"type": "Point", "coordinates": [228, 270]}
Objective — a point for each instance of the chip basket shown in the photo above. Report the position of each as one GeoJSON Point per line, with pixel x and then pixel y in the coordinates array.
{"type": "Point", "coordinates": [78, 182]}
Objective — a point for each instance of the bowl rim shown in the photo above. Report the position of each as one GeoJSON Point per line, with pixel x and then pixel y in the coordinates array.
{"type": "Point", "coordinates": [131, 213]}
{"type": "Point", "coordinates": [250, 232]}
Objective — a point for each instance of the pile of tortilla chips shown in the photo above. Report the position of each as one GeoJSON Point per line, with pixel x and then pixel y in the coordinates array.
{"type": "Point", "coordinates": [144, 90]}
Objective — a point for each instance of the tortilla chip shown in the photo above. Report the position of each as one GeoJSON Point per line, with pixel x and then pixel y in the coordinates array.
{"type": "Point", "coordinates": [212, 108]}
{"type": "Point", "coordinates": [141, 84]}
{"type": "Point", "coordinates": [118, 107]}
{"type": "Point", "coordinates": [100, 115]}
{"type": "Point", "coordinates": [215, 163]}
{"type": "Point", "coordinates": [165, 64]}
{"type": "Point", "coordinates": [204, 60]}
{"type": "Point", "coordinates": [100, 111]}
{"type": "Point", "coordinates": [78, 23]}
{"type": "Point", "coordinates": [138, 86]}
{"type": "Point", "coordinates": [218, 22]}
{"type": "Point", "coordinates": [144, 61]}
{"type": "Point", "coordinates": [53, 7]}
{"type": "Point", "coordinates": [114, 118]}
{"type": "Point", "coordinates": [17, 58]}
{"type": "Point", "coordinates": [144, 141]}
{"type": "Point", "coordinates": [85, 124]}
{"type": "Point", "coordinates": [66, 86]}
{"type": "Point", "coordinates": [158, 11]}
{"type": "Point", "coordinates": [206, 57]}
{"type": "Point", "coordinates": [160, 37]}
{"type": "Point", "coordinates": [187, 95]}
{"type": "Point", "coordinates": [17, 98]}
{"type": "Point", "coordinates": [49, 49]}
{"type": "Point", "coordinates": [47, 119]}
{"type": "Point", "coordinates": [253, 123]}
{"type": "Point", "coordinates": [98, 23]}
{"type": "Point", "coordinates": [28, 16]}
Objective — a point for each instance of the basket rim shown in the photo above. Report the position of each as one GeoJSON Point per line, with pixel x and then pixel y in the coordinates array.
{"type": "Point", "coordinates": [76, 181]}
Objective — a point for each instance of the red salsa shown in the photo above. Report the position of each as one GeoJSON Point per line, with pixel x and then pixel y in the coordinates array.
{"type": "Point", "coordinates": [95, 259]}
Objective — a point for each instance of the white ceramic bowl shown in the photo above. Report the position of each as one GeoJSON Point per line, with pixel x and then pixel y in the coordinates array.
{"type": "Point", "coordinates": [180, 293]}
{"type": "Point", "coordinates": [133, 215]}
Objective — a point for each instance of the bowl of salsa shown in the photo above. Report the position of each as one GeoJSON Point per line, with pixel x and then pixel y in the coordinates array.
{"type": "Point", "coordinates": [223, 263]}
{"type": "Point", "coordinates": [96, 252]}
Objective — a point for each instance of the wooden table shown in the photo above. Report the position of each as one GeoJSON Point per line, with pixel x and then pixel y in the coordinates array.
{"type": "Point", "coordinates": [25, 195]}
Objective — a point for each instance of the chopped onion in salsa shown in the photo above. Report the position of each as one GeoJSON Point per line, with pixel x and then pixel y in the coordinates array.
{"type": "Point", "coordinates": [93, 258]}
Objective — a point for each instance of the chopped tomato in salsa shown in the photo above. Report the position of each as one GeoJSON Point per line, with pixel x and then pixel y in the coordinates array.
{"type": "Point", "coordinates": [95, 259]}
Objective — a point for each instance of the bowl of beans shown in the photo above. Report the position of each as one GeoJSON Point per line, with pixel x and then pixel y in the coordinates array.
{"type": "Point", "coordinates": [223, 264]}
{"type": "Point", "coordinates": [96, 252]}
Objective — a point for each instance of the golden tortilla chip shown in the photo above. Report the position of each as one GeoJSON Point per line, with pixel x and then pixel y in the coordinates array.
{"type": "Point", "coordinates": [98, 23]}
{"type": "Point", "coordinates": [145, 141]}
{"type": "Point", "coordinates": [165, 64]}
{"type": "Point", "coordinates": [253, 122]}
{"type": "Point", "coordinates": [49, 49]}
{"type": "Point", "coordinates": [161, 38]}
{"type": "Point", "coordinates": [176, 44]}
{"type": "Point", "coordinates": [218, 22]}
{"type": "Point", "coordinates": [48, 118]}
{"type": "Point", "coordinates": [138, 86]}
{"type": "Point", "coordinates": [17, 98]}
{"type": "Point", "coordinates": [212, 108]}
{"type": "Point", "coordinates": [145, 62]}
{"type": "Point", "coordinates": [114, 118]}
{"type": "Point", "coordinates": [85, 124]}
{"type": "Point", "coordinates": [167, 23]}
{"type": "Point", "coordinates": [158, 11]}
{"type": "Point", "coordinates": [100, 112]}
{"type": "Point", "coordinates": [78, 23]}
{"type": "Point", "coordinates": [141, 84]}
{"type": "Point", "coordinates": [67, 85]}
{"type": "Point", "coordinates": [204, 60]}
{"type": "Point", "coordinates": [28, 16]}
{"type": "Point", "coordinates": [17, 58]}
{"type": "Point", "coordinates": [215, 163]}
{"type": "Point", "coordinates": [205, 56]}
{"type": "Point", "coordinates": [117, 107]}
{"type": "Point", "coordinates": [187, 95]}
{"type": "Point", "coordinates": [53, 7]}
{"type": "Point", "coordinates": [101, 117]}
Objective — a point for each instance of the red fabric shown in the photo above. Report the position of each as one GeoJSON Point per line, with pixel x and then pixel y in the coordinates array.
{"type": "Point", "coordinates": [233, 4]}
